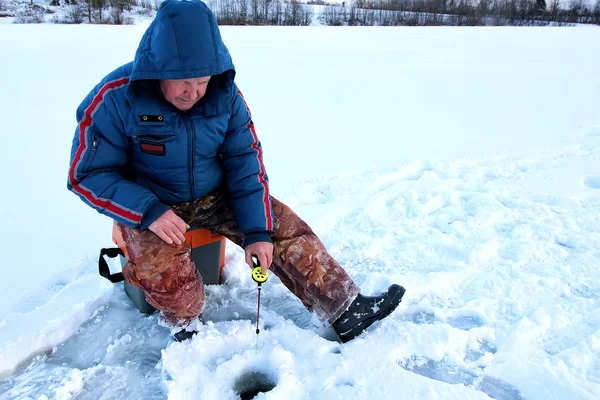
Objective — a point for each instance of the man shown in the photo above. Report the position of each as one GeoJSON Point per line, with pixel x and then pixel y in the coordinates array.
{"type": "Point", "coordinates": [167, 142]}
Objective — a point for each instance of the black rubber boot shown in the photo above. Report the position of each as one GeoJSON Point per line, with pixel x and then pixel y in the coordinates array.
{"type": "Point", "coordinates": [186, 334]}
{"type": "Point", "coordinates": [366, 310]}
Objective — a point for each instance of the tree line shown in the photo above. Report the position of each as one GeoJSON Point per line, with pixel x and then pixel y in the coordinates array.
{"type": "Point", "coordinates": [261, 12]}
{"type": "Point", "coordinates": [90, 11]}
{"type": "Point", "coordinates": [356, 13]}
{"type": "Point", "coordinates": [408, 12]}
{"type": "Point", "coordinates": [464, 12]}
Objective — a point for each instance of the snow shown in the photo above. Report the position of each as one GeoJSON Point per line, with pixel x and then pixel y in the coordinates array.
{"type": "Point", "coordinates": [461, 163]}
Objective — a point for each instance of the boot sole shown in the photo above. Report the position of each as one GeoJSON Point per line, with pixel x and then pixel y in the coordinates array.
{"type": "Point", "coordinates": [363, 325]}
{"type": "Point", "coordinates": [182, 337]}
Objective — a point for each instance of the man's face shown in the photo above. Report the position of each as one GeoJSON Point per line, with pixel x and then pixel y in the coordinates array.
{"type": "Point", "coordinates": [184, 93]}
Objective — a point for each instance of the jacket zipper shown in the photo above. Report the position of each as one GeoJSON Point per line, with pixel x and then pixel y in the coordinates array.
{"type": "Point", "coordinates": [94, 141]}
{"type": "Point", "coordinates": [193, 146]}
{"type": "Point", "coordinates": [90, 156]}
{"type": "Point", "coordinates": [151, 139]}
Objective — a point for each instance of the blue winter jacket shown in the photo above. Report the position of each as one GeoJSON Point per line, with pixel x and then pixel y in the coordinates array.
{"type": "Point", "coordinates": [134, 153]}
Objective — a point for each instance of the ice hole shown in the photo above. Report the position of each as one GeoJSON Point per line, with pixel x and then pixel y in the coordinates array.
{"type": "Point", "coordinates": [252, 383]}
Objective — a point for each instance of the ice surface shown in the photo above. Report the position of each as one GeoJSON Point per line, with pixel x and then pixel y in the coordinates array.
{"type": "Point", "coordinates": [460, 163]}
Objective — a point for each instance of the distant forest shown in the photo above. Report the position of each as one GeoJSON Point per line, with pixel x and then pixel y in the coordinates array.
{"type": "Point", "coordinates": [351, 13]}
{"type": "Point", "coordinates": [408, 12]}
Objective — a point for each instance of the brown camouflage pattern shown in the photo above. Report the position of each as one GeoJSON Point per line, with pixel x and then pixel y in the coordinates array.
{"type": "Point", "coordinates": [167, 275]}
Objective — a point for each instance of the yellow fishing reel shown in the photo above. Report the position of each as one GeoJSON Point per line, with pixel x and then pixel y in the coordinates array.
{"type": "Point", "coordinates": [258, 276]}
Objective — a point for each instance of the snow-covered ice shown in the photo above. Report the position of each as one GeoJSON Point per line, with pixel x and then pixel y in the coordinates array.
{"type": "Point", "coordinates": [461, 163]}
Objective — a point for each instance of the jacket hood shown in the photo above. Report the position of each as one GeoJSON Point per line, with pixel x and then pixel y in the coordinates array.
{"type": "Point", "coordinates": [183, 41]}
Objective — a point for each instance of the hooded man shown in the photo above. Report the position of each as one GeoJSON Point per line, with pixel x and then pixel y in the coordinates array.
{"type": "Point", "coordinates": [167, 142]}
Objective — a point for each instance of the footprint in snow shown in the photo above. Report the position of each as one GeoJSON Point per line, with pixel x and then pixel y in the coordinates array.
{"type": "Point", "coordinates": [445, 372]}
{"type": "Point", "coordinates": [484, 348]}
{"type": "Point", "coordinates": [585, 291]}
{"type": "Point", "coordinates": [465, 322]}
{"type": "Point", "coordinates": [592, 182]}
{"type": "Point", "coordinates": [593, 131]}
{"type": "Point", "coordinates": [420, 317]}
{"type": "Point", "coordinates": [462, 322]}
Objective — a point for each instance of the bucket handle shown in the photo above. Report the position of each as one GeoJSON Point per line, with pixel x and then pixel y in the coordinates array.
{"type": "Point", "coordinates": [103, 265]}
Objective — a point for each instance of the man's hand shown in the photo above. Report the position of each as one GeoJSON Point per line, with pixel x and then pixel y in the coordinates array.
{"type": "Point", "coordinates": [170, 228]}
{"type": "Point", "coordinates": [263, 251]}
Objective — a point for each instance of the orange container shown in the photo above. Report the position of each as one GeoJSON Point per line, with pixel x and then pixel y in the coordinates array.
{"type": "Point", "coordinates": [201, 237]}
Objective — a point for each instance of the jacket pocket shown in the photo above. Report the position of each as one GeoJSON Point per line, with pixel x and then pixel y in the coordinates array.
{"type": "Point", "coordinates": [91, 152]}
{"type": "Point", "coordinates": [153, 144]}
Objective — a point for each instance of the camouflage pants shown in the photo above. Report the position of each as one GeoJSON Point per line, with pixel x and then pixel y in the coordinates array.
{"type": "Point", "coordinates": [171, 283]}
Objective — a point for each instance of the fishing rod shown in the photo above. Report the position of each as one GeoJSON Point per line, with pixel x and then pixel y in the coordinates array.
{"type": "Point", "coordinates": [259, 278]}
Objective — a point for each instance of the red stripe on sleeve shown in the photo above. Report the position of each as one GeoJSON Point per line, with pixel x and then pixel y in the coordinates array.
{"type": "Point", "coordinates": [261, 175]}
{"type": "Point", "coordinates": [86, 122]}
{"type": "Point", "coordinates": [108, 205]}
{"type": "Point", "coordinates": [246, 104]}
{"type": "Point", "coordinates": [84, 125]}
{"type": "Point", "coordinates": [261, 178]}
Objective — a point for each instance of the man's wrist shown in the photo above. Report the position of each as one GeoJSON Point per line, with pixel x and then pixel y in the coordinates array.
{"type": "Point", "coordinates": [256, 237]}
{"type": "Point", "coordinates": [153, 214]}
